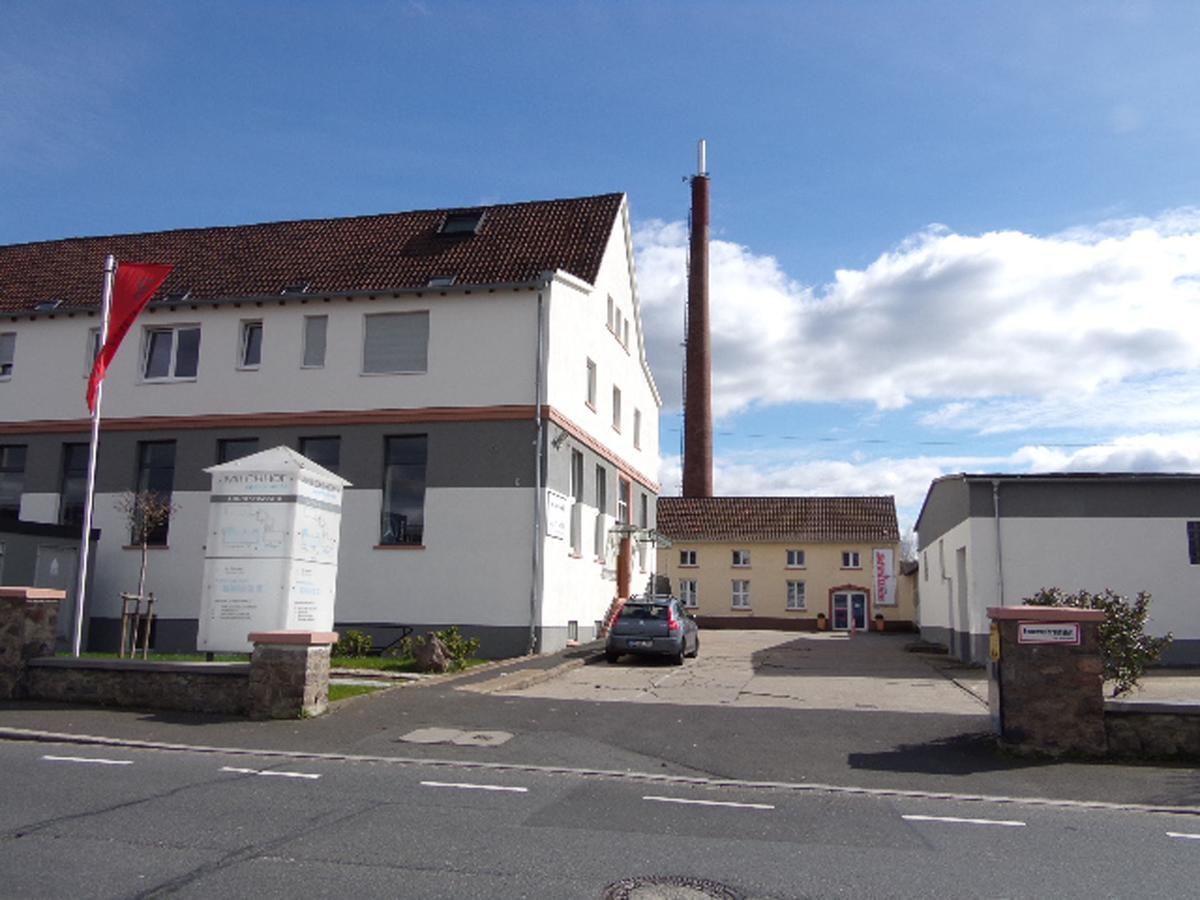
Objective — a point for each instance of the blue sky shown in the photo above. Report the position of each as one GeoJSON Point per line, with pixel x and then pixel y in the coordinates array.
{"type": "Point", "coordinates": [947, 236]}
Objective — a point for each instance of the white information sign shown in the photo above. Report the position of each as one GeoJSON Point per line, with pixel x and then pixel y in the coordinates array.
{"type": "Point", "coordinates": [271, 558]}
{"type": "Point", "coordinates": [558, 515]}
{"type": "Point", "coordinates": [883, 570]}
{"type": "Point", "coordinates": [1047, 632]}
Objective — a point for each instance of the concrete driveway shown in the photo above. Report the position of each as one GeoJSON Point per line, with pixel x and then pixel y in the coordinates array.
{"type": "Point", "coordinates": [787, 670]}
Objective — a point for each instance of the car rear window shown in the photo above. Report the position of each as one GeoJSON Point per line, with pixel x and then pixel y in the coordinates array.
{"type": "Point", "coordinates": [643, 611]}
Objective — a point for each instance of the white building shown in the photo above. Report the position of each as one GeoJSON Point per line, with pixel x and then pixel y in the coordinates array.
{"type": "Point", "coordinates": [478, 375]}
{"type": "Point", "coordinates": [994, 540]}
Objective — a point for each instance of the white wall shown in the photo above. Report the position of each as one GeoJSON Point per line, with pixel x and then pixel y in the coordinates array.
{"type": "Point", "coordinates": [481, 353]}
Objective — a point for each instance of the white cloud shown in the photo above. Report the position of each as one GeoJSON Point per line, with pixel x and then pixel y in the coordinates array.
{"type": "Point", "coordinates": [1058, 322]}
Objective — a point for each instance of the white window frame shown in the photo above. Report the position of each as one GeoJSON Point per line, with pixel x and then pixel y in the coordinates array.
{"type": "Point", "coordinates": [795, 559]}
{"type": "Point", "coordinates": [611, 308]}
{"type": "Point", "coordinates": [248, 327]}
{"type": "Point", "coordinates": [414, 315]}
{"type": "Point", "coordinates": [91, 351]}
{"type": "Point", "coordinates": [304, 341]}
{"type": "Point", "coordinates": [797, 598]}
{"type": "Point", "coordinates": [851, 559]}
{"type": "Point", "coordinates": [616, 408]}
{"type": "Point", "coordinates": [689, 593]}
{"type": "Point", "coordinates": [741, 559]}
{"type": "Point", "coordinates": [591, 383]}
{"type": "Point", "coordinates": [173, 362]}
{"type": "Point", "coordinates": [740, 593]}
{"type": "Point", "coordinates": [687, 558]}
{"type": "Point", "coordinates": [637, 429]}
{"type": "Point", "coordinates": [625, 334]}
{"type": "Point", "coordinates": [7, 356]}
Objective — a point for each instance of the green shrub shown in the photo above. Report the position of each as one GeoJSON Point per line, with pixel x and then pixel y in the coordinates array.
{"type": "Point", "coordinates": [460, 648]}
{"type": "Point", "coordinates": [1125, 647]}
{"type": "Point", "coordinates": [353, 643]}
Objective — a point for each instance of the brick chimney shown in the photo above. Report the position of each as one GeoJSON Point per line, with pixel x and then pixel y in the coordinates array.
{"type": "Point", "coordinates": [697, 402]}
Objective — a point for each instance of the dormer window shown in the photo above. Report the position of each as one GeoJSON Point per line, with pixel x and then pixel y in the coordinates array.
{"type": "Point", "coordinates": [441, 281]}
{"type": "Point", "coordinates": [462, 222]}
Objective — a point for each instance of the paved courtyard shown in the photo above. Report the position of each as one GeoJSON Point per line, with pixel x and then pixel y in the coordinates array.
{"type": "Point", "coordinates": [787, 670]}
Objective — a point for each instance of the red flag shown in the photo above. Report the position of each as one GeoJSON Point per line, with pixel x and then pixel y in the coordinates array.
{"type": "Point", "coordinates": [135, 285]}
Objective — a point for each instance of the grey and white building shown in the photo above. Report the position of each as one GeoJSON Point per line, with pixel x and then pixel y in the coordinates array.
{"type": "Point", "coordinates": [994, 540]}
{"type": "Point", "coordinates": [478, 375]}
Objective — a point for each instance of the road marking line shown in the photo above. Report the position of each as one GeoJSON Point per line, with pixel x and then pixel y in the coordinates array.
{"type": "Point", "coordinates": [475, 787]}
{"type": "Point", "coordinates": [955, 820]}
{"type": "Point", "coordinates": [709, 802]}
{"type": "Point", "coordinates": [90, 759]}
{"type": "Point", "coordinates": [1183, 834]}
{"type": "Point", "coordinates": [277, 774]}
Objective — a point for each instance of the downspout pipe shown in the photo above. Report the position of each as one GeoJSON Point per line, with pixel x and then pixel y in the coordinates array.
{"type": "Point", "coordinates": [999, 554]}
{"type": "Point", "coordinates": [535, 587]}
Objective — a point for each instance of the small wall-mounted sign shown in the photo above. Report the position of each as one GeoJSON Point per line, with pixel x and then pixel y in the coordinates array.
{"type": "Point", "coordinates": [1048, 633]}
{"type": "Point", "coordinates": [994, 642]}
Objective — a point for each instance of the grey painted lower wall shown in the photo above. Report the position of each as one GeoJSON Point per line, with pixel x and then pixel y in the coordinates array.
{"type": "Point", "coordinates": [1182, 653]}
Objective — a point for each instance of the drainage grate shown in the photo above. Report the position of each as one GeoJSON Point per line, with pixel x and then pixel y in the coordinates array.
{"type": "Point", "coordinates": [668, 887]}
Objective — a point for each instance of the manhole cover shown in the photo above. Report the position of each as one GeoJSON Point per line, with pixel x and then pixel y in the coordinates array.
{"type": "Point", "coordinates": [668, 887]}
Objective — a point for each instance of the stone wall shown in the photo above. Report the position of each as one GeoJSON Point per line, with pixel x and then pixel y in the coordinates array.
{"type": "Point", "coordinates": [1152, 730]}
{"type": "Point", "coordinates": [188, 687]}
{"type": "Point", "coordinates": [28, 624]}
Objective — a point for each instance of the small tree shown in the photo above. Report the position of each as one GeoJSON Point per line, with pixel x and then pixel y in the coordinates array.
{"type": "Point", "coordinates": [1125, 647]}
{"type": "Point", "coordinates": [146, 512]}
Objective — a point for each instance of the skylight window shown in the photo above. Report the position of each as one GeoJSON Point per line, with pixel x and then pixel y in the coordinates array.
{"type": "Point", "coordinates": [462, 222]}
{"type": "Point", "coordinates": [47, 305]}
{"type": "Point", "coordinates": [299, 286]}
{"type": "Point", "coordinates": [442, 280]}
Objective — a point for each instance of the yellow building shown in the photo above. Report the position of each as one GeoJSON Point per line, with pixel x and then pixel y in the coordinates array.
{"type": "Point", "coordinates": [794, 563]}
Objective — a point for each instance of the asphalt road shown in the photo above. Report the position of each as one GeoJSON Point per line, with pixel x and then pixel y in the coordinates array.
{"type": "Point", "coordinates": [123, 822]}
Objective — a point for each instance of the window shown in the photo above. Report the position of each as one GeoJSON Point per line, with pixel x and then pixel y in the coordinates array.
{"type": "Point", "coordinates": [601, 490]}
{"type": "Point", "coordinates": [687, 593]}
{"type": "Point", "coordinates": [12, 479]}
{"type": "Point", "coordinates": [795, 595]}
{"type": "Point", "coordinates": [611, 320]}
{"type": "Point", "coordinates": [591, 384]}
{"type": "Point", "coordinates": [644, 512]}
{"type": "Point", "coordinates": [616, 408]}
{"type": "Point", "coordinates": [623, 491]}
{"type": "Point", "coordinates": [403, 514]}
{"type": "Point", "coordinates": [741, 558]}
{"type": "Point", "coordinates": [93, 350]}
{"type": "Point", "coordinates": [637, 429]}
{"type": "Point", "coordinates": [250, 352]}
{"type": "Point", "coordinates": [326, 452]}
{"type": "Point", "coordinates": [625, 334]}
{"type": "Point", "coordinates": [687, 557]}
{"type": "Point", "coordinates": [8, 347]}
{"type": "Point", "coordinates": [741, 594]}
{"type": "Point", "coordinates": [396, 343]}
{"type": "Point", "coordinates": [850, 559]}
{"type": "Point", "coordinates": [171, 353]}
{"type": "Point", "coordinates": [576, 488]}
{"type": "Point", "coordinates": [925, 566]}
{"type": "Point", "coordinates": [1193, 533]}
{"type": "Point", "coordinates": [315, 329]}
{"type": "Point", "coordinates": [618, 324]}
{"type": "Point", "coordinates": [230, 449]}
{"type": "Point", "coordinates": [437, 281]}
{"type": "Point", "coordinates": [72, 488]}
{"type": "Point", "coordinates": [462, 222]}
{"type": "Point", "coordinates": [795, 559]}
{"type": "Point", "coordinates": [156, 476]}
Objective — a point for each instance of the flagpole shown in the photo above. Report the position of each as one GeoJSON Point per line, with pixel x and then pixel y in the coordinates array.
{"type": "Point", "coordinates": [110, 269]}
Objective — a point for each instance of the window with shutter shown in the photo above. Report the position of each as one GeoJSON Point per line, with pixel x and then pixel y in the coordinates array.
{"type": "Point", "coordinates": [396, 343]}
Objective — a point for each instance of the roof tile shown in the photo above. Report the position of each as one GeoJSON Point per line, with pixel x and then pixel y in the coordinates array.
{"type": "Point", "coordinates": [815, 519]}
{"type": "Point", "coordinates": [516, 242]}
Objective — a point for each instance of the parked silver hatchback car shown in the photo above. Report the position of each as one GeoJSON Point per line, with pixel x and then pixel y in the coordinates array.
{"type": "Point", "coordinates": [653, 626]}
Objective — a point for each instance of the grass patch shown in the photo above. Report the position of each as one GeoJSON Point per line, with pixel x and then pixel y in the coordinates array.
{"type": "Point", "coordinates": [166, 657]}
{"type": "Point", "coordinates": [388, 663]}
{"type": "Point", "coordinates": [344, 691]}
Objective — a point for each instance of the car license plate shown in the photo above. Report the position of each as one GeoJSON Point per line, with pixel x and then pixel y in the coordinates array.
{"type": "Point", "coordinates": [641, 644]}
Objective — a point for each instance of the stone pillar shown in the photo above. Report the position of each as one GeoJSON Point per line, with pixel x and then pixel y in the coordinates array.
{"type": "Point", "coordinates": [1046, 680]}
{"type": "Point", "coordinates": [28, 623]}
{"type": "Point", "coordinates": [289, 673]}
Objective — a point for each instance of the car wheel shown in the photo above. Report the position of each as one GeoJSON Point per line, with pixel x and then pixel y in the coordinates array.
{"type": "Point", "coordinates": [695, 648]}
{"type": "Point", "coordinates": [677, 659]}
{"type": "Point", "coordinates": [611, 656]}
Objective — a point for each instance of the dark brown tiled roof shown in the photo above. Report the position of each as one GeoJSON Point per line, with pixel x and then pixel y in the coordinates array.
{"type": "Point", "coordinates": [516, 242]}
{"type": "Point", "coordinates": [814, 519]}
